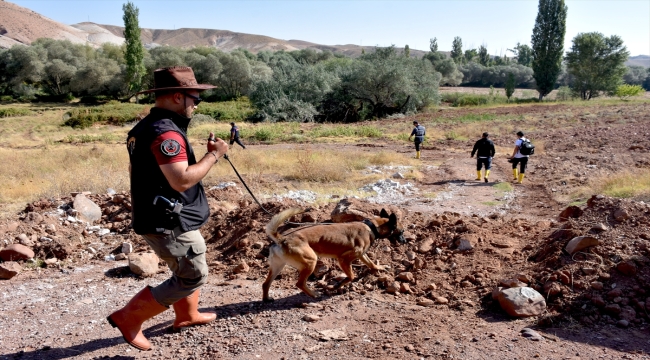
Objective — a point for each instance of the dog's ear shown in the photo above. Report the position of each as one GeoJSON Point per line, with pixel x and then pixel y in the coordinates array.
{"type": "Point", "coordinates": [392, 220]}
{"type": "Point", "coordinates": [383, 214]}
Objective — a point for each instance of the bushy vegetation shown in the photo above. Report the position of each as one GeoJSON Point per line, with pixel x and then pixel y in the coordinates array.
{"type": "Point", "coordinates": [459, 99]}
{"type": "Point", "coordinates": [234, 110]}
{"type": "Point", "coordinates": [113, 113]}
{"type": "Point", "coordinates": [9, 112]}
{"type": "Point", "coordinates": [625, 91]}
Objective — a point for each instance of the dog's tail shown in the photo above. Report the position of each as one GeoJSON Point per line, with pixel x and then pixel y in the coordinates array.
{"type": "Point", "coordinates": [277, 220]}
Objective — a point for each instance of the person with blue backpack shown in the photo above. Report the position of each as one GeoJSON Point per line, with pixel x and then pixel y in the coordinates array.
{"type": "Point", "coordinates": [418, 132]}
{"type": "Point", "coordinates": [523, 149]}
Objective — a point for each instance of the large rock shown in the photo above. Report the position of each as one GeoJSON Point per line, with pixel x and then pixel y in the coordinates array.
{"type": "Point", "coordinates": [143, 264]}
{"type": "Point", "coordinates": [16, 252]}
{"type": "Point", "coordinates": [520, 301]}
{"type": "Point", "coordinates": [579, 243]}
{"type": "Point", "coordinates": [349, 210]}
{"type": "Point", "coordinates": [465, 242]}
{"type": "Point", "coordinates": [87, 210]}
{"type": "Point", "coordinates": [9, 269]}
{"type": "Point", "coordinates": [426, 246]}
{"type": "Point", "coordinates": [571, 212]}
{"type": "Point", "coordinates": [621, 215]}
{"type": "Point", "coordinates": [627, 268]}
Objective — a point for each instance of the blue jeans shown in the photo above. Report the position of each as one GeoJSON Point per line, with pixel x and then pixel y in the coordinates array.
{"type": "Point", "coordinates": [483, 161]}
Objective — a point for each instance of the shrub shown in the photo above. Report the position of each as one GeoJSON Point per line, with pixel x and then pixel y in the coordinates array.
{"type": "Point", "coordinates": [624, 92]}
{"type": "Point", "coordinates": [6, 98]}
{"type": "Point", "coordinates": [234, 110]}
{"type": "Point", "coordinates": [10, 112]}
{"type": "Point", "coordinates": [113, 113]}
{"type": "Point", "coordinates": [200, 119]}
{"type": "Point", "coordinates": [564, 93]}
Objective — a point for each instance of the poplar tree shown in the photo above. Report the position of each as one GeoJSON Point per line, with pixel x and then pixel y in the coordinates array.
{"type": "Point", "coordinates": [134, 54]}
{"type": "Point", "coordinates": [407, 51]}
{"type": "Point", "coordinates": [548, 44]}
{"type": "Point", "coordinates": [433, 45]}
{"type": "Point", "coordinates": [457, 50]}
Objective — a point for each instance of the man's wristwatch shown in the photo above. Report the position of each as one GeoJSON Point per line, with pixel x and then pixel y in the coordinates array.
{"type": "Point", "coordinates": [216, 158]}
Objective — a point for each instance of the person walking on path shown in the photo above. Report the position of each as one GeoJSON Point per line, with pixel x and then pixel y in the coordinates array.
{"type": "Point", "coordinates": [234, 135]}
{"type": "Point", "coordinates": [484, 149]}
{"type": "Point", "coordinates": [518, 158]}
{"type": "Point", "coordinates": [169, 204]}
{"type": "Point", "coordinates": [418, 132]}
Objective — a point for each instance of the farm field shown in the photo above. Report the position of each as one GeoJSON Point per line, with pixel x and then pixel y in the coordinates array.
{"type": "Point", "coordinates": [56, 309]}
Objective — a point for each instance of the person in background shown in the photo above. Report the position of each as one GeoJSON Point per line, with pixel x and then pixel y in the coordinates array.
{"type": "Point", "coordinates": [484, 149]}
{"type": "Point", "coordinates": [518, 158]}
{"type": "Point", "coordinates": [418, 132]}
{"type": "Point", "coordinates": [234, 135]}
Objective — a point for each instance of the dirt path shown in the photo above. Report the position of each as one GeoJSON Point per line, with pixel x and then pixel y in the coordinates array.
{"type": "Point", "coordinates": [61, 315]}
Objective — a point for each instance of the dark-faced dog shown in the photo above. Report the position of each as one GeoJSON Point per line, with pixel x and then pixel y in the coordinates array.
{"type": "Point", "coordinates": [345, 242]}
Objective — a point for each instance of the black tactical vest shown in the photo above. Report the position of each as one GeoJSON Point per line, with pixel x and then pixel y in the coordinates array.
{"type": "Point", "coordinates": [148, 181]}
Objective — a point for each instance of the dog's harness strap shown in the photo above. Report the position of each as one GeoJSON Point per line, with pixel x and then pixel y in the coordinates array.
{"type": "Point", "coordinates": [372, 227]}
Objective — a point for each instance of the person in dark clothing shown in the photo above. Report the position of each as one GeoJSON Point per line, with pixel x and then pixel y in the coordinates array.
{"type": "Point", "coordinates": [418, 132]}
{"type": "Point", "coordinates": [234, 135]}
{"type": "Point", "coordinates": [484, 150]}
{"type": "Point", "coordinates": [518, 158]}
{"type": "Point", "coordinates": [163, 165]}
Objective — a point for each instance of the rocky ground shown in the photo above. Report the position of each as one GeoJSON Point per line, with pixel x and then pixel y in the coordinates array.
{"type": "Point", "coordinates": [589, 264]}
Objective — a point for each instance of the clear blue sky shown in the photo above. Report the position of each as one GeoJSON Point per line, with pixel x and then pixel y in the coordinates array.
{"type": "Point", "coordinates": [498, 24]}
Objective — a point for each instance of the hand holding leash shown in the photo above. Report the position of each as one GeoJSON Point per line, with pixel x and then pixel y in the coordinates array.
{"type": "Point", "coordinates": [217, 145]}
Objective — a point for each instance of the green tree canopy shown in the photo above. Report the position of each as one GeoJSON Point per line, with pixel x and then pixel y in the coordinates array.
{"type": "Point", "coordinates": [596, 64]}
{"type": "Point", "coordinates": [457, 50]}
{"type": "Point", "coordinates": [548, 44]}
{"type": "Point", "coordinates": [523, 53]}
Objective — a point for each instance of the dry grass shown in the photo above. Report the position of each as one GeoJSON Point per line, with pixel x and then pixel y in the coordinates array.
{"type": "Point", "coordinates": [624, 184]}
{"type": "Point", "coordinates": [29, 174]}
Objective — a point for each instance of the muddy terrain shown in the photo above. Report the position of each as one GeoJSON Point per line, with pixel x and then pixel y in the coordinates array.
{"type": "Point", "coordinates": [464, 239]}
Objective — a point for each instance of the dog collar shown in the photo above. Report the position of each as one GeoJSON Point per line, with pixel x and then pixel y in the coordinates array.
{"type": "Point", "coordinates": [372, 227]}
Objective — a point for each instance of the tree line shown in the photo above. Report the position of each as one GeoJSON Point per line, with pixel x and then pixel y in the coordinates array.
{"type": "Point", "coordinates": [310, 85]}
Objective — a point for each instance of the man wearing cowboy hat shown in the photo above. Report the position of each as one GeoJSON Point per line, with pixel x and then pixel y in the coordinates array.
{"type": "Point", "coordinates": [163, 166]}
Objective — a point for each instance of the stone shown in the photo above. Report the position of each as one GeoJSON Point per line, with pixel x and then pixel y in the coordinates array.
{"type": "Point", "coordinates": [571, 212]}
{"type": "Point", "coordinates": [310, 318]}
{"type": "Point", "coordinates": [502, 244]}
{"type": "Point", "coordinates": [419, 264]}
{"type": "Point", "coordinates": [51, 261]}
{"type": "Point", "coordinates": [598, 301]}
{"type": "Point", "coordinates": [405, 276]}
{"type": "Point", "coordinates": [409, 348]}
{"type": "Point", "coordinates": [307, 218]}
{"type": "Point", "coordinates": [333, 334]}
{"type": "Point", "coordinates": [347, 210]}
{"type": "Point", "coordinates": [597, 285]}
{"type": "Point", "coordinates": [464, 244]}
{"type": "Point", "coordinates": [580, 243]}
{"type": "Point", "coordinates": [50, 229]}
{"type": "Point", "coordinates": [621, 215]}
{"type": "Point", "coordinates": [531, 334]}
{"type": "Point", "coordinates": [613, 309]}
{"type": "Point", "coordinates": [600, 227]}
{"type": "Point", "coordinates": [441, 300]}
{"type": "Point", "coordinates": [623, 323]}
{"type": "Point", "coordinates": [589, 271]}
{"type": "Point", "coordinates": [426, 246]}
{"type": "Point", "coordinates": [392, 287]}
{"type": "Point", "coordinates": [258, 245]}
{"type": "Point", "coordinates": [410, 255]}
{"type": "Point", "coordinates": [409, 236]}
{"type": "Point", "coordinates": [432, 287]}
{"type": "Point", "coordinates": [15, 252]}
{"type": "Point", "coordinates": [627, 313]}
{"type": "Point", "coordinates": [34, 217]}
{"type": "Point", "coordinates": [552, 288]}
{"type": "Point", "coordinates": [508, 283]}
{"type": "Point", "coordinates": [86, 209]}
{"type": "Point", "coordinates": [127, 248]}
{"type": "Point", "coordinates": [143, 264]}
{"type": "Point", "coordinates": [23, 239]}
{"type": "Point", "coordinates": [397, 175]}
{"type": "Point", "coordinates": [627, 268]}
{"type": "Point", "coordinates": [426, 302]}
{"type": "Point", "coordinates": [120, 257]}
{"type": "Point", "coordinates": [241, 268]}
{"type": "Point", "coordinates": [405, 288]}
{"type": "Point", "coordinates": [118, 199]}
{"type": "Point", "coordinates": [9, 269]}
{"type": "Point", "coordinates": [521, 301]}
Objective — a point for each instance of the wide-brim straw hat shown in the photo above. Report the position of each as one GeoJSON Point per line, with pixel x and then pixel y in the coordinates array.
{"type": "Point", "coordinates": [176, 78]}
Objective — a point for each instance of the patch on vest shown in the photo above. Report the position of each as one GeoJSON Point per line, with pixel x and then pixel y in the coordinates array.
{"type": "Point", "coordinates": [170, 147]}
{"type": "Point", "coordinates": [130, 145]}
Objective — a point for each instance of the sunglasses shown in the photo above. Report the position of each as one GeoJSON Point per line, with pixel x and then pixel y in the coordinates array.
{"type": "Point", "coordinates": [197, 100]}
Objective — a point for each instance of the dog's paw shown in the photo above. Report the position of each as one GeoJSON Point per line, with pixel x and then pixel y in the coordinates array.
{"type": "Point", "coordinates": [379, 268]}
{"type": "Point", "coordinates": [316, 294]}
{"type": "Point", "coordinates": [268, 300]}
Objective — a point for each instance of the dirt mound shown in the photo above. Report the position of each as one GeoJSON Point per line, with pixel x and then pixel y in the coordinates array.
{"type": "Point", "coordinates": [606, 283]}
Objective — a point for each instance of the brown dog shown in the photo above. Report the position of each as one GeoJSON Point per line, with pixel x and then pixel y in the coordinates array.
{"type": "Point", "coordinates": [345, 242]}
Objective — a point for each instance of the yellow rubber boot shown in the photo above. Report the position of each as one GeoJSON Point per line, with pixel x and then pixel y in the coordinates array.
{"type": "Point", "coordinates": [515, 173]}
{"type": "Point", "coordinates": [417, 154]}
{"type": "Point", "coordinates": [478, 175]}
{"type": "Point", "coordinates": [487, 175]}
{"type": "Point", "coordinates": [521, 178]}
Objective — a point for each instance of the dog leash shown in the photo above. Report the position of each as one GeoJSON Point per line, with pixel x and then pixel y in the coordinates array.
{"type": "Point", "coordinates": [225, 156]}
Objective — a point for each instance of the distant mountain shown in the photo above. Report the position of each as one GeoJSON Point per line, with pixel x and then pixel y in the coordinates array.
{"type": "Point", "coordinates": [640, 60]}
{"type": "Point", "coordinates": [19, 25]}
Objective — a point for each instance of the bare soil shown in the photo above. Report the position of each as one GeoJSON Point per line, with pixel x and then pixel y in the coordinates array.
{"type": "Point", "coordinates": [58, 311]}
